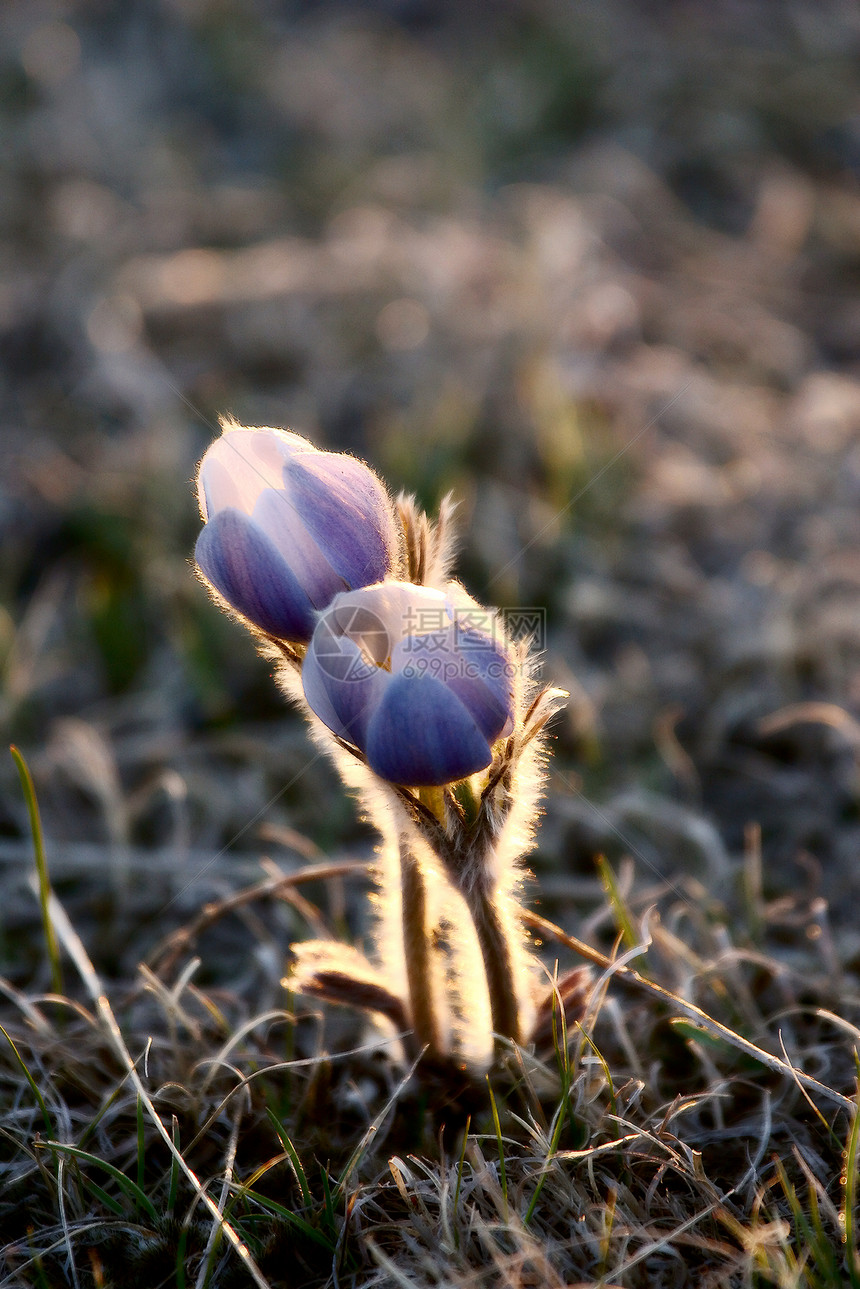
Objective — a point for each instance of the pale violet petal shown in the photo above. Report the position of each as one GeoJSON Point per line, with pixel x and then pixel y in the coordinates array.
{"type": "Point", "coordinates": [264, 453]}
{"type": "Point", "coordinates": [341, 687]}
{"type": "Point", "coordinates": [276, 515]}
{"type": "Point", "coordinates": [490, 710]}
{"type": "Point", "coordinates": [217, 488]}
{"type": "Point", "coordinates": [239, 465]}
{"type": "Point", "coordinates": [244, 566]}
{"type": "Point", "coordinates": [473, 667]}
{"type": "Point", "coordinates": [347, 510]}
{"type": "Point", "coordinates": [430, 652]}
{"type": "Point", "coordinates": [483, 681]}
{"type": "Point", "coordinates": [316, 684]}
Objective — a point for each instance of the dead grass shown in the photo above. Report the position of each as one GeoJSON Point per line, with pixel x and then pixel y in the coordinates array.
{"type": "Point", "coordinates": [198, 1141]}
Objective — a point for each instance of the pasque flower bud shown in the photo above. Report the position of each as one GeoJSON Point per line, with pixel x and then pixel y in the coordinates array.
{"type": "Point", "coordinates": [417, 682]}
{"type": "Point", "coordinates": [288, 527]}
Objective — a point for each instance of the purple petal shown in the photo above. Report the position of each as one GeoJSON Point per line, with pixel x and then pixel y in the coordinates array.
{"type": "Point", "coordinates": [484, 682]}
{"type": "Point", "coordinates": [244, 566]}
{"type": "Point", "coordinates": [472, 665]}
{"type": "Point", "coordinates": [421, 735]}
{"type": "Point", "coordinates": [340, 686]}
{"type": "Point", "coordinates": [316, 685]}
{"type": "Point", "coordinates": [277, 516]}
{"type": "Point", "coordinates": [345, 508]}
{"type": "Point", "coordinates": [491, 714]}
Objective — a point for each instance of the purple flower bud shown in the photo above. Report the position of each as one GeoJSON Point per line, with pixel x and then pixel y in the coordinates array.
{"type": "Point", "coordinates": [420, 685]}
{"type": "Point", "coordinates": [289, 527]}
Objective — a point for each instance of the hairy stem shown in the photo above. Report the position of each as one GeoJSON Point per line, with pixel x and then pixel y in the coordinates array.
{"type": "Point", "coordinates": [416, 949]}
{"type": "Point", "coordinates": [491, 927]}
{"type": "Point", "coordinates": [494, 941]}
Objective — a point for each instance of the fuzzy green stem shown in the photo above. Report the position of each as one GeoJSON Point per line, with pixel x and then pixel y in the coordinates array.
{"type": "Point", "coordinates": [416, 949]}
{"type": "Point", "coordinates": [494, 941]}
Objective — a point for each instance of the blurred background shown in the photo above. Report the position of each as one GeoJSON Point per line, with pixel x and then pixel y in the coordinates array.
{"type": "Point", "coordinates": [592, 265]}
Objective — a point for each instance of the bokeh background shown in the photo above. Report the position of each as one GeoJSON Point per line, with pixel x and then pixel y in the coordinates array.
{"type": "Point", "coordinates": [593, 266]}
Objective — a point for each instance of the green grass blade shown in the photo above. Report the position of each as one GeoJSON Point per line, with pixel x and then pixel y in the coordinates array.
{"type": "Point", "coordinates": [503, 1174]}
{"type": "Point", "coordinates": [560, 1041]}
{"type": "Point", "coordinates": [109, 1201]}
{"type": "Point", "coordinates": [94, 1123]}
{"type": "Point", "coordinates": [622, 914]}
{"type": "Point", "coordinates": [806, 1236]}
{"type": "Point", "coordinates": [40, 1100]}
{"type": "Point", "coordinates": [134, 1192]}
{"type": "Point", "coordinates": [687, 1030]}
{"type": "Point", "coordinates": [327, 1200]}
{"type": "Point", "coordinates": [292, 1153]}
{"type": "Point", "coordinates": [461, 1163]}
{"type": "Point", "coordinates": [141, 1145]}
{"type": "Point", "coordinates": [820, 1243]}
{"type": "Point", "coordinates": [51, 943]}
{"type": "Point", "coordinates": [180, 1258]}
{"type": "Point", "coordinates": [292, 1219]}
{"type": "Point", "coordinates": [561, 1114]}
{"type": "Point", "coordinates": [562, 1054]}
{"type": "Point", "coordinates": [174, 1169]}
{"type": "Point", "coordinates": [849, 1210]}
{"type": "Point", "coordinates": [540, 1184]}
{"type": "Point", "coordinates": [607, 1073]}
{"type": "Point", "coordinates": [42, 1282]}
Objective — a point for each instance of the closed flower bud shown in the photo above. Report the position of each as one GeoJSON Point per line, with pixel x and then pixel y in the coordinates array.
{"type": "Point", "coordinates": [288, 527]}
{"type": "Point", "coordinates": [420, 685]}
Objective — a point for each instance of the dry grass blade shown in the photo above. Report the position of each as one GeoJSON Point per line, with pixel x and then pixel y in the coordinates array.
{"type": "Point", "coordinates": [691, 1011]}
{"type": "Point", "coordinates": [396, 1276]}
{"type": "Point", "coordinates": [849, 1210]}
{"type": "Point", "coordinates": [814, 714]}
{"type": "Point", "coordinates": [73, 945]}
{"type": "Point", "coordinates": [226, 1185]}
{"type": "Point", "coordinates": [34, 1087]}
{"type": "Point", "coordinates": [655, 1246]}
{"type": "Point", "coordinates": [373, 1128]}
{"type": "Point", "coordinates": [165, 954]}
{"type": "Point", "coordinates": [61, 1203]}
